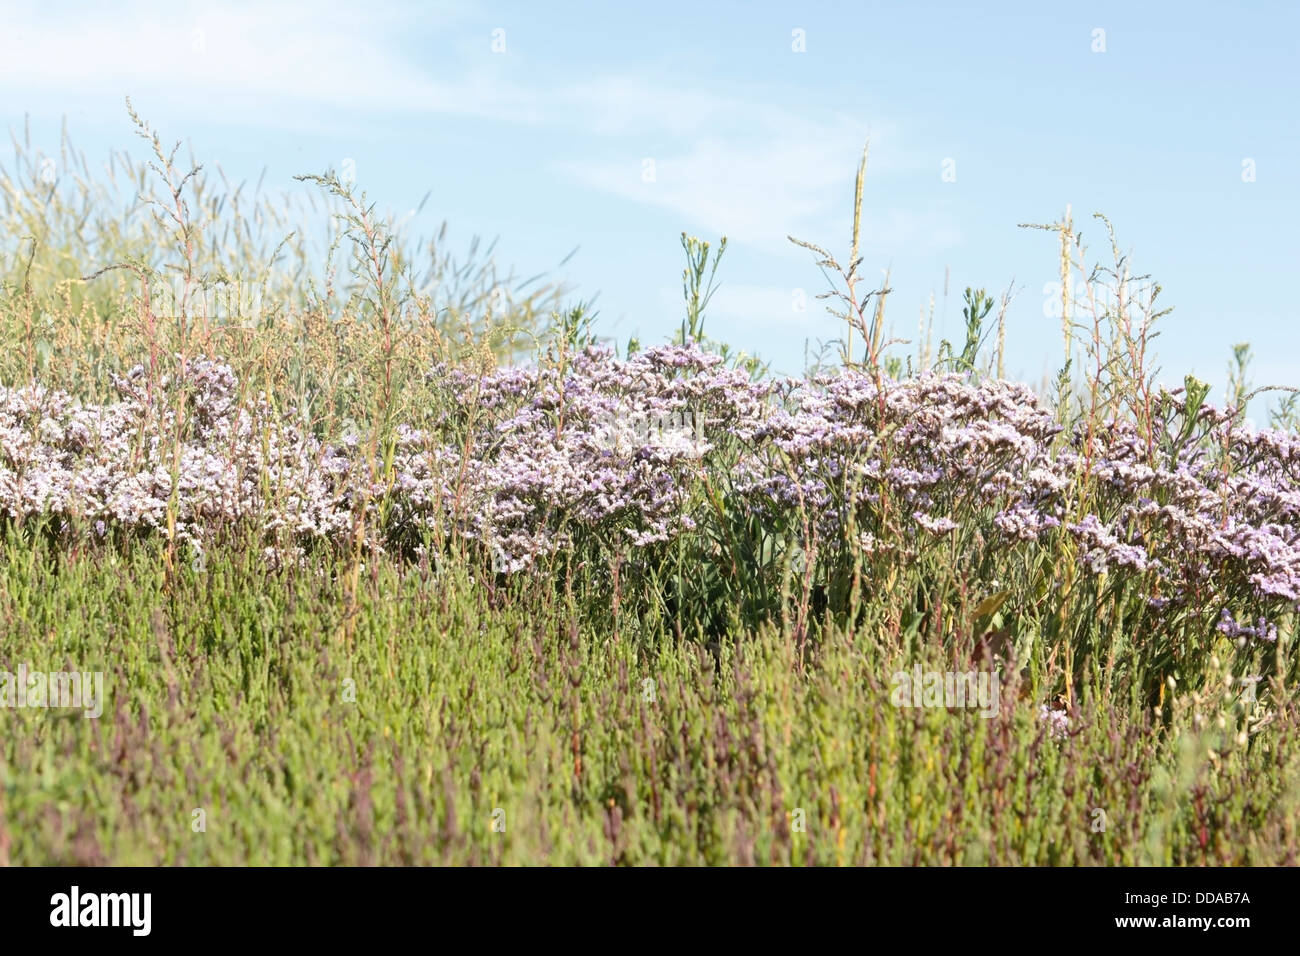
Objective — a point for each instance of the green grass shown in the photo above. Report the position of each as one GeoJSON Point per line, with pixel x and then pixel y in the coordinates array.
{"type": "Point", "coordinates": [228, 692]}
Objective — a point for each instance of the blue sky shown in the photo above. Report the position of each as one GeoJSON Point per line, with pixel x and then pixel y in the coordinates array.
{"type": "Point", "coordinates": [545, 143]}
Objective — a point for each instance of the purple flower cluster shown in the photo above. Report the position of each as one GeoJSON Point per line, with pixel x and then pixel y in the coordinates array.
{"type": "Point", "coordinates": [1102, 547]}
{"type": "Point", "coordinates": [1262, 630]}
{"type": "Point", "coordinates": [596, 447]}
{"type": "Point", "coordinates": [1214, 517]}
{"type": "Point", "coordinates": [183, 447]}
{"type": "Point", "coordinates": [1057, 721]}
{"type": "Point", "coordinates": [945, 454]}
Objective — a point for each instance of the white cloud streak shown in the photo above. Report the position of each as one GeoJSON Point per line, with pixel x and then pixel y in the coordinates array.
{"type": "Point", "coordinates": [724, 163]}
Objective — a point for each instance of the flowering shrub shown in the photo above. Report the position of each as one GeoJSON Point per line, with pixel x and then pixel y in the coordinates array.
{"type": "Point", "coordinates": [593, 456]}
{"type": "Point", "coordinates": [596, 448]}
{"type": "Point", "coordinates": [183, 448]}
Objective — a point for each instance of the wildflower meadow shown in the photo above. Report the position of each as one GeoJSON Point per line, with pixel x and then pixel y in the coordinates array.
{"type": "Point", "coordinates": [376, 570]}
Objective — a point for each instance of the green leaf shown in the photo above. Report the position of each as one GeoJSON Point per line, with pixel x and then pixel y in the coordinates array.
{"type": "Point", "coordinates": [991, 604]}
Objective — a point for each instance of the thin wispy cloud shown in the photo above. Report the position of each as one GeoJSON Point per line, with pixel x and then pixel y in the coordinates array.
{"type": "Point", "coordinates": [268, 58]}
{"type": "Point", "coordinates": [742, 167]}
{"type": "Point", "coordinates": [763, 191]}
